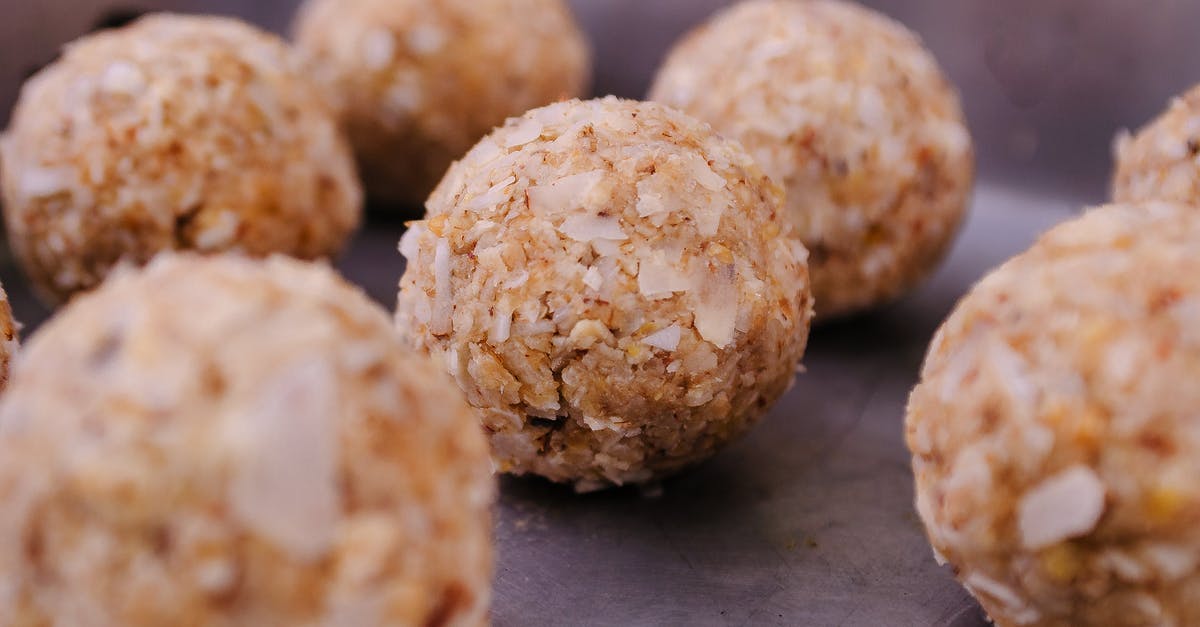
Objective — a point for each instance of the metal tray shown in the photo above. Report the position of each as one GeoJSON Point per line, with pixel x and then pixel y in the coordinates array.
{"type": "Point", "coordinates": [807, 521]}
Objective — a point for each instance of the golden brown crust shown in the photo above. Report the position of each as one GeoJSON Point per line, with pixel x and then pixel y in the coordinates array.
{"type": "Point", "coordinates": [613, 286]}
{"type": "Point", "coordinates": [420, 82]}
{"type": "Point", "coordinates": [221, 441]}
{"type": "Point", "coordinates": [1054, 430]}
{"type": "Point", "coordinates": [851, 115]}
{"type": "Point", "coordinates": [173, 133]}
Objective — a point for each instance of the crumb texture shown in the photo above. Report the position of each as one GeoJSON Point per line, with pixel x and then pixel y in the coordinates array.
{"type": "Point", "coordinates": [1054, 431]}
{"type": "Point", "coordinates": [176, 132]}
{"type": "Point", "coordinates": [418, 82]}
{"type": "Point", "coordinates": [614, 287]}
{"type": "Point", "coordinates": [849, 112]}
{"type": "Point", "coordinates": [1160, 161]}
{"type": "Point", "coordinates": [222, 441]}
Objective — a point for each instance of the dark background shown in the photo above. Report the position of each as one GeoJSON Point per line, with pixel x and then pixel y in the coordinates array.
{"type": "Point", "coordinates": [1046, 83]}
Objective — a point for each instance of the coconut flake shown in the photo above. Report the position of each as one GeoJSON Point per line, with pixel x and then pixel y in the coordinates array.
{"type": "Point", "coordinates": [410, 247]}
{"type": "Point", "coordinates": [41, 182]}
{"type": "Point", "coordinates": [443, 307]}
{"type": "Point", "coordinates": [378, 49]}
{"type": "Point", "coordinates": [666, 339]}
{"type": "Point", "coordinates": [1172, 561]}
{"type": "Point", "coordinates": [1064, 506]}
{"type": "Point", "coordinates": [220, 233]}
{"type": "Point", "coordinates": [284, 485]}
{"type": "Point", "coordinates": [979, 583]}
{"type": "Point", "coordinates": [716, 305]}
{"type": "Point", "coordinates": [425, 39]}
{"type": "Point", "coordinates": [704, 175]}
{"type": "Point", "coordinates": [525, 132]}
{"type": "Point", "coordinates": [586, 228]}
{"type": "Point", "coordinates": [659, 278]}
{"type": "Point", "coordinates": [567, 193]}
{"type": "Point", "coordinates": [593, 279]}
{"type": "Point", "coordinates": [495, 195]}
{"type": "Point", "coordinates": [122, 77]}
{"type": "Point", "coordinates": [501, 327]}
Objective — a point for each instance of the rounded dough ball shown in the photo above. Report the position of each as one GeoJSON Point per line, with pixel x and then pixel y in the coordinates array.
{"type": "Point", "coordinates": [1055, 436]}
{"type": "Point", "coordinates": [419, 82]}
{"type": "Point", "coordinates": [613, 286]}
{"type": "Point", "coordinates": [221, 441]}
{"type": "Point", "coordinates": [1159, 162]}
{"type": "Point", "coordinates": [175, 132]}
{"type": "Point", "coordinates": [851, 115]}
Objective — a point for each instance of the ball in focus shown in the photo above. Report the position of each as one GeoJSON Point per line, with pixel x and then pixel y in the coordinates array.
{"type": "Point", "coordinates": [1159, 162]}
{"type": "Point", "coordinates": [850, 113]}
{"type": "Point", "coordinates": [220, 441]}
{"type": "Point", "coordinates": [176, 132]}
{"type": "Point", "coordinates": [1055, 433]}
{"type": "Point", "coordinates": [613, 285]}
{"type": "Point", "coordinates": [418, 82]}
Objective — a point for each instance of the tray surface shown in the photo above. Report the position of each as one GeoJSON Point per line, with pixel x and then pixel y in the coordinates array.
{"type": "Point", "coordinates": [807, 521]}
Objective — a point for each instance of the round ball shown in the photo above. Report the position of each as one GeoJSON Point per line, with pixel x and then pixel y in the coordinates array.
{"type": "Point", "coordinates": [851, 115]}
{"type": "Point", "coordinates": [613, 285]}
{"type": "Point", "coordinates": [173, 133]}
{"type": "Point", "coordinates": [220, 441]}
{"type": "Point", "coordinates": [1159, 163]}
{"type": "Point", "coordinates": [418, 82]}
{"type": "Point", "coordinates": [1054, 432]}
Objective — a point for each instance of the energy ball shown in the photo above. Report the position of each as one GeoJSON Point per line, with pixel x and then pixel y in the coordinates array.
{"type": "Point", "coordinates": [613, 286]}
{"type": "Point", "coordinates": [176, 132]}
{"type": "Point", "coordinates": [1055, 432]}
{"type": "Point", "coordinates": [1160, 162]}
{"type": "Point", "coordinates": [419, 82]}
{"type": "Point", "coordinates": [850, 113]}
{"type": "Point", "coordinates": [222, 441]}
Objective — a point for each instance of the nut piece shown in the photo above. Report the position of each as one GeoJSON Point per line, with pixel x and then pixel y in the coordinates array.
{"type": "Point", "coordinates": [1055, 434]}
{"type": "Point", "coordinates": [419, 82]}
{"type": "Point", "coordinates": [175, 132]}
{"type": "Point", "coordinates": [222, 441]}
{"type": "Point", "coordinates": [850, 113]}
{"type": "Point", "coordinates": [613, 285]}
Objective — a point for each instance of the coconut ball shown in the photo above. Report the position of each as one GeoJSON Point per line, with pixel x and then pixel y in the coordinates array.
{"type": "Point", "coordinates": [419, 82]}
{"type": "Point", "coordinates": [1160, 162]}
{"type": "Point", "coordinates": [614, 287]}
{"type": "Point", "coordinates": [176, 132]}
{"type": "Point", "coordinates": [220, 441]}
{"type": "Point", "coordinates": [850, 113]}
{"type": "Point", "coordinates": [1054, 432]}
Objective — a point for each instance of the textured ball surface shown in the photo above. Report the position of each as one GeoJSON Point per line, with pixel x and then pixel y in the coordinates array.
{"type": "Point", "coordinates": [613, 286]}
{"type": "Point", "coordinates": [851, 115]}
{"type": "Point", "coordinates": [418, 82]}
{"type": "Point", "coordinates": [220, 441]}
{"type": "Point", "coordinates": [9, 338]}
{"type": "Point", "coordinates": [1160, 161]}
{"type": "Point", "coordinates": [173, 133]}
{"type": "Point", "coordinates": [1055, 434]}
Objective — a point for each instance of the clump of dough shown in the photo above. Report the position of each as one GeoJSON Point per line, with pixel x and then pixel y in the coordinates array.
{"type": "Point", "coordinates": [176, 132]}
{"type": "Point", "coordinates": [1054, 432]}
{"type": "Point", "coordinates": [850, 113]}
{"type": "Point", "coordinates": [221, 441]}
{"type": "Point", "coordinates": [613, 285]}
{"type": "Point", "coordinates": [419, 82]}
